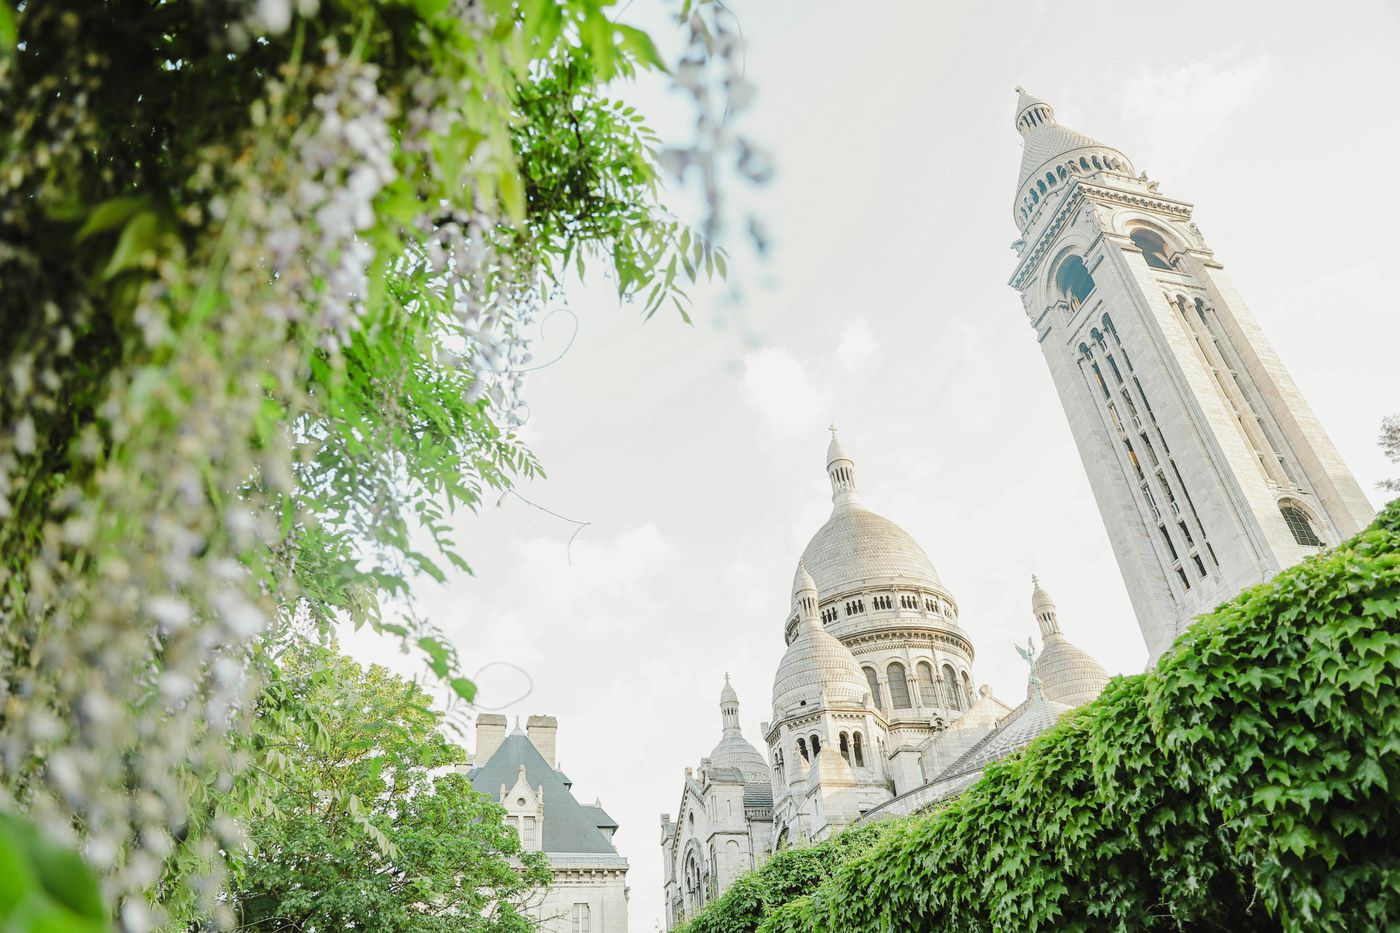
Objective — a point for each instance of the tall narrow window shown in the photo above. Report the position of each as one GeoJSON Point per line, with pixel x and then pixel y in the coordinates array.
{"type": "Point", "coordinates": [1298, 523]}
{"type": "Point", "coordinates": [874, 681]}
{"type": "Point", "coordinates": [528, 836]}
{"type": "Point", "coordinates": [928, 693]}
{"type": "Point", "coordinates": [802, 748]}
{"type": "Point", "coordinates": [816, 746]}
{"type": "Point", "coordinates": [582, 919]}
{"type": "Point", "coordinates": [899, 685]}
{"type": "Point", "coordinates": [950, 687]}
{"type": "Point", "coordinates": [845, 747]}
{"type": "Point", "coordinates": [859, 751]}
{"type": "Point", "coordinates": [967, 687]}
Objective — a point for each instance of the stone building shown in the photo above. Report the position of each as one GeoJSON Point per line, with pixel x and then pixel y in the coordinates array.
{"type": "Point", "coordinates": [1210, 470]}
{"type": "Point", "coordinates": [724, 826]}
{"type": "Point", "coordinates": [876, 711]}
{"type": "Point", "coordinates": [589, 891]}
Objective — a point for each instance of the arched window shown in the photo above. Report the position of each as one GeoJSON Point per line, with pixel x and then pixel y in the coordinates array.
{"type": "Point", "coordinates": [1298, 523]}
{"type": "Point", "coordinates": [874, 682]}
{"type": "Point", "coordinates": [1154, 248]}
{"type": "Point", "coordinates": [899, 686]}
{"type": "Point", "coordinates": [1074, 281]}
{"type": "Point", "coordinates": [802, 748]}
{"type": "Point", "coordinates": [816, 745]}
{"type": "Point", "coordinates": [928, 693]}
{"type": "Point", "coordinates": [950, 687]}
{"type": "Point", "coordinates": [845, 747]}
{"type": "Point", "coordinates": [859, 752]}
{"type": "Point", "coordinates": [1095, 160]}
{"type": "Point", "coordinates": [967, 687]}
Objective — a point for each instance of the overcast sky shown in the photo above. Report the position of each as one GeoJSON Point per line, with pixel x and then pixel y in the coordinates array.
{"type": "Point", "coordinates": [696, 453]}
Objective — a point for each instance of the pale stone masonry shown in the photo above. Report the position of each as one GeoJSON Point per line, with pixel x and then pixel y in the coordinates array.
{"type": "Point", "coordinates": [875, 709]}
{"type": "Point", "coordinates": [1210, 471]}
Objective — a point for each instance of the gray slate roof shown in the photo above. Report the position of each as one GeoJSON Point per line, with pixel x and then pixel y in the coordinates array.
{"type": "Point", "coordinates": [568, 825]}
{"type": "Point", "coordinates": [600, 816]}
{"type": "Point", "coordinates": [1027, 721]}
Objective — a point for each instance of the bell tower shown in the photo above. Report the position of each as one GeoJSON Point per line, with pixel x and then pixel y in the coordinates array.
{"type": "Point", "coordinates": [1210, 471]}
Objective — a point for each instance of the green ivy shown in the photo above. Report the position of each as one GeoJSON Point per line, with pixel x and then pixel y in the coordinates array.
{"type": "Point", "coordinates": [1247, 783]}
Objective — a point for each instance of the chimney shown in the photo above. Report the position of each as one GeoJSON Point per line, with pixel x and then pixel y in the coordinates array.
{"type": "Point", "coordinates": [490, 733]}
{"type": "Point", "coordinates": [541, 730]}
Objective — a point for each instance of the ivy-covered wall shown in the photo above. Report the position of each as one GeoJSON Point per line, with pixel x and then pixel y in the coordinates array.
{"type": "Point", "coordinates": [1250, 782]}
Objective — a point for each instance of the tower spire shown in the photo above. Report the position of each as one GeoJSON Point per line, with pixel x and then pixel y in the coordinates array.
{"type": "Point", "coordinates": [841, 470]}
{"type": "Point", "coordinates": [1031, 111]}
{"type": "Point", "coordinates": [1043, 608]}
{"type": "Point", "coordinates": [729, 708]}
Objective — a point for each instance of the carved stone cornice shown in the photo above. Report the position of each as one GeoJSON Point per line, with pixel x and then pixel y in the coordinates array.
{"type": "Point", "coordinates": [1064, 214]}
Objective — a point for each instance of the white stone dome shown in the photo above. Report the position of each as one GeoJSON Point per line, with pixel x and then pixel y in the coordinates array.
{"type": "Point", "coordinates": [856, 545]}
{"type": "Point", "coordinates": [814, 667]}
{"type": "Point", "coordinates": [734, 751]}
{"type": "Point", "coordinates": [1068, 674]}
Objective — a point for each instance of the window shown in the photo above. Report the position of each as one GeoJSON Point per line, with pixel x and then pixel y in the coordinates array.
{"type": "Point", "coordinates": [816, 746]}
{"type": "Point", "coordinates": [802, 748]}
{"type": "Point", "coordinates": [1298, 523]}
{"type": "Point", "coordinates": [527, 834]}
{"type": "Point", "coordinates": [928, 693]}
{"type": "Point", "coordinates": [859, 752]}
{"type": "Point", "coordinates": [845, 747]}
{"type": "Point", "coordinates": [582, 919]}
{"type": "Point", "coordinates": [1074, 281]}
{"type": "Point", "coordinates": [950, 687]}
{"type": "Point", "coordinates": [899, 686]}
{"type": "Point", "coordinates": [874, 683]}
{"type": "Point", "coordinates": [1154, 248]}
{"type": "Point", "coordinates": [967, 687]}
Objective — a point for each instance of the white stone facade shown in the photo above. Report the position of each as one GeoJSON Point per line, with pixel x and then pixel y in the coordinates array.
{"type": "Point", "coordinates": [875, 710]}
{"type": "Point", "coordinates": [724, 826]}
{"type": "Point", "coordinates": [1210, 471]}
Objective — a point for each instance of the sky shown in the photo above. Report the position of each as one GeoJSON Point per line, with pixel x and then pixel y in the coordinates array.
{"type": "Point", "coordinates": [695, 453]}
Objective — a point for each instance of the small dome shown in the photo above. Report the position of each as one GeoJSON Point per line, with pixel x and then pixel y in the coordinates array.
{"type": "Point", "coordinates": [816, 666]}
{"type": "Point", "coordinates": [802, 582]}
{"type": "Point", "coordinates": [734, 751]}
{"type": "Point", "coordinates": [1068, 674]}
{"type": "Point", "coordinates": [1040, 600]}
{"type": "Point", "coordinates": [836, 451]}
{"type": "Point", "coordinates": [727, 695]}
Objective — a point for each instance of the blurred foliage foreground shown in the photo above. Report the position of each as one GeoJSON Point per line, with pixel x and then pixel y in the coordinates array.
{"type": "Point", "coordinates": [267, 269]}
{"type": "Point", "coordinates": [1251, 781]}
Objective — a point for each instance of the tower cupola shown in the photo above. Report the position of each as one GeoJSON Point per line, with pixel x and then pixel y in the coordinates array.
{"type": "Point", "coordinates": [1053, 156]}
{"type": "Point", "coordinates": [1043, 608]}
{"type": "Point", "coordinates": [841, 470]}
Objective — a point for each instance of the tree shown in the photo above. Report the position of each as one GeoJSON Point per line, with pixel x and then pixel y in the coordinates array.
{"type": "Point", "coordinates": [367, 828]}
{"type": "Point", "coordinates": [266, 267]}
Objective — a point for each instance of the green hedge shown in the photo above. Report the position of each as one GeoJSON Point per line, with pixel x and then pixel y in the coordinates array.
{"type": "Point", "coordinates": [1250, 782]}
{"type": "Point", "coordinates": [786, 875]}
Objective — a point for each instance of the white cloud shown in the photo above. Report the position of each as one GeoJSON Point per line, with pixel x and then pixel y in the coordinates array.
{"type": "Point", "coordinates": [1177, 111]}
{"type": "Point", "coordinates": [857, 345]}
{"type": "Point", "coordinates": [779, 388]}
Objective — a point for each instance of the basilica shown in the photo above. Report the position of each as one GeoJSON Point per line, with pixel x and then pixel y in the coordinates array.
{"type": "Point", "coordinates": [1210, 471]}
{"type": "Point", "coordinates": [876, 711]}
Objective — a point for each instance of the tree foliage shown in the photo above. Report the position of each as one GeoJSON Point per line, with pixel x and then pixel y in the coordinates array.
{"type": "Point", "coordinates": [371, 826]}
{"type": "Point", "coordinates": [1246, 783]}
{"type": "Point", "coordinates": [267, 268]}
